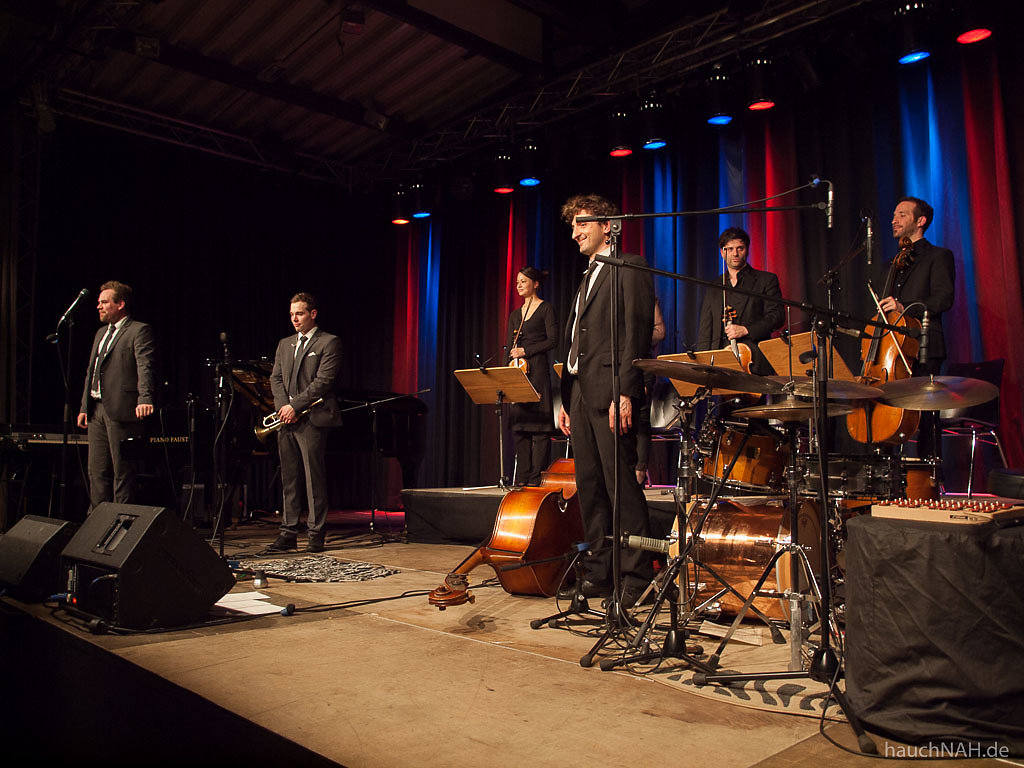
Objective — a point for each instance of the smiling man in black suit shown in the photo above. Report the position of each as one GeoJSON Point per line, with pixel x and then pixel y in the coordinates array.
{"type": "Point", "coordinates": [588, 413]}
{"type": "Point", "coordinates": [118, 393]}
{"type": "Point", "coordinates": [306, 368]}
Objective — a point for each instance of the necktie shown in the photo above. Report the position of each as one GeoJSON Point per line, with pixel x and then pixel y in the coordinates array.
{"type": "Point", "coordinates": [295, 368]}
{"type": "Point", "coordinates": [574, 349]}
{"type": "Point", "coordinates": [101, 351]}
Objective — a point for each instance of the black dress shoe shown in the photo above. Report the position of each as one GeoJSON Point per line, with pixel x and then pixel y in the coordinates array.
{"type": "Point", "coordinates": [283, 543]}
{"type": "Point", "coordinates": [586, 588]}
{"type": "Point", "coordinates": [315, 544]}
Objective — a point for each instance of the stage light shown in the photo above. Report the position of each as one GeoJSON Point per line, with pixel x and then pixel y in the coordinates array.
{"type": "Point", "coordinates": [717, 87]}
{"type": "Point", "coordinates": [418, 197]}
{"type": "Point", "coordinates": [399, 207]}
{"type": "Point", "coordinates": [652, 122]}
{"type": "Point", "coordinates": [618, 132]}
{"type": "Point", "coordinates": [529, 164]}
{"type": "Point", "coordinates": [913, 20]}
{"type": "Point", "coordinates": [503, 172]}
{"type": "Point", "coordinates": [759, 84]}
{"type": "Point", "coordinates": [976, 23]}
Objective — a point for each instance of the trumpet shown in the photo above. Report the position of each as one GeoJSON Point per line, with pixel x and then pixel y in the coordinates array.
{"type": "Point", "coordinates": [271, 423]}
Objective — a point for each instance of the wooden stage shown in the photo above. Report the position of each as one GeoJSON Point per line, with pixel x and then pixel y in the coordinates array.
{"type": "Point", "coordinates": [368, 674]}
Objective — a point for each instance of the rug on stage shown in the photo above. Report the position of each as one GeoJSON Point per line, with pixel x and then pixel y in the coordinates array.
{"type": "Point", "coordinates": [316, 568]}
{"type": "Point", "coordinates": [801, 696]}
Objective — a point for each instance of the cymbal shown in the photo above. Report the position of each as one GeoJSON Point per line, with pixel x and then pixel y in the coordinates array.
{"type": "Point", "coordinates": [710, 376]}
{"type": "Point", "coordinates": [790, 409]}
{"type": "Point", "coordinates": [838, 389]}
{"type": "Point", "coordinates": [937, 393]}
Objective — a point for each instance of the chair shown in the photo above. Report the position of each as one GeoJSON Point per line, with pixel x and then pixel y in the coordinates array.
{"type": "Point", "coordinates": [976, 420]}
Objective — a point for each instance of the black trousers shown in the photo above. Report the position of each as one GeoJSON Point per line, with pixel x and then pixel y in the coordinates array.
{"type": "Point", "coordinates": [593, 447]}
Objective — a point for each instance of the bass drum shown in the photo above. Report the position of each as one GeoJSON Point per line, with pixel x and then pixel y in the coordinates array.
{"type": "Point", "coordinates": [737, 541]}
{"type": "Point", "coordinates": [760, 465]}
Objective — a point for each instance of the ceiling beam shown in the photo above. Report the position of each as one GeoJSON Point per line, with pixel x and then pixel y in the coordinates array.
{"type": "Point", "coordinates": [479, 46]}
{"type": "Point", "coordinates": [182, 59]}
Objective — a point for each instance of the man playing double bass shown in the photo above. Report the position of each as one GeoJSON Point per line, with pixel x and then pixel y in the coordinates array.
{"type": "Point", "coordinates": [926, 281]}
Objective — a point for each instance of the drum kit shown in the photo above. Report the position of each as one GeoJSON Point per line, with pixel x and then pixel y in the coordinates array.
{"type": "Point", "coordinates": [743, 555]}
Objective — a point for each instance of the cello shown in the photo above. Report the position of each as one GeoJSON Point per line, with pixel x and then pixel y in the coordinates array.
{"type": "Point", "coordinates": [873, 422]}
{"type": "Point", "coordinates": [534, 529]}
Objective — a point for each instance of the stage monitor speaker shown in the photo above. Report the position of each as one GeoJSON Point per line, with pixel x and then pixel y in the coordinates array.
{"type": "Point", "coordinates": [30, 557]}
{"type": "Point", "coordinates": [141, 567]}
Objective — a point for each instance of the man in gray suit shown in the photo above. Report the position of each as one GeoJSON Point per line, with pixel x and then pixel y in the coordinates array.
{"type": "Point", "coordinates": [306, 368]}
{"type": "Point", "coordinates": [118, 394]}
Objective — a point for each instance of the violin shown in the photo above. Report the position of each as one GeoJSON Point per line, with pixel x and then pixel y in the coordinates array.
{"type": "Point", "coordinates": [534, 529]}
{"type": "Point", "coordinates": [741, 351]}
{"type": "Point", "coordinates": [881, 361]}
{"type": "Point", "coordinates": [519, 362]}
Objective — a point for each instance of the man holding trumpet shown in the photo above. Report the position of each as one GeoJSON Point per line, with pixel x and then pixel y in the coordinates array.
{"type": "Point", "coordinates": [306, 367]}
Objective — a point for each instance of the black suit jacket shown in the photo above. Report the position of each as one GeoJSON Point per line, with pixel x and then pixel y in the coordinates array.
{"type": "Point", "coordinates": [759, 314]}
{"type": "Point", "coordinates": [318, 368]}
{"type": "Point", "coordinates": [127, 375]}
{"type": "Point", "coordinates": [635, 320]}
{"type": "Point", "coordinates": [931, 280]}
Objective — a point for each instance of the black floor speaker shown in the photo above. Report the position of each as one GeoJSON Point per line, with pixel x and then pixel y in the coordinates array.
{"type": "Point", "coordinates": [30, 557]}
{"type": "Point", "coordinates": [141, 567]}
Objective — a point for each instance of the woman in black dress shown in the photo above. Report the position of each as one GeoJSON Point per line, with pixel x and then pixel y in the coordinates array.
{"type": "Point", "coordinates": [531, 335]}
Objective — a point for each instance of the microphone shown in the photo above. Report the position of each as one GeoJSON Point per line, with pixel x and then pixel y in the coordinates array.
{"type": "Point", "coordinates": [923, 353]}
{"type": "Point", "coordinates": [81, 295]}
{"type": "Point", "coordinates": [647, 543]}
{"type": "Point", "coordinates": [814, 180]}
{"type": "Point", "coordinates": [865, 216]}
{"type": "Point", "coordinates": [828, 206]}
{"type": "Point", "coordinates": [808, 356]}
{"type": "Point", "coordinates": [52, 338]}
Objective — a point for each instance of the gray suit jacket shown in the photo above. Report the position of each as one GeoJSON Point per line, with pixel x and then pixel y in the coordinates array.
{"type": "Point", "coordinates": [300, 381]}
{"type": "Point", "coordinates": [127, 377]}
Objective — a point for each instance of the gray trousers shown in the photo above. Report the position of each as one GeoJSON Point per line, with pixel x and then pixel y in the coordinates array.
{"type": "Point", "coordinates": [111, 476]}
{"type": "Point", "coordinates": [303, 450]}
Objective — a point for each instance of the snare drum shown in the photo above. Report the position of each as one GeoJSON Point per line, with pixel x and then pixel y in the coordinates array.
{"type": "Point", "coordinates": [739, 537]}
{"type": "Point", "coordinates": [760, 466]}
{"type": "Point", "coordinates": [849, 477]}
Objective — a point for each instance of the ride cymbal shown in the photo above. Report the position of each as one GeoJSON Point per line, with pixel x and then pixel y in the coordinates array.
{"type": "Point", "coordinates": [838, 389]}
{"type": "Point", "coordinates": [710, 376]}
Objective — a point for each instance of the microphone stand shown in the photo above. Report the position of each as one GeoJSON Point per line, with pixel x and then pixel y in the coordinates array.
{"type": "Point", "coordinates": [66, 372]}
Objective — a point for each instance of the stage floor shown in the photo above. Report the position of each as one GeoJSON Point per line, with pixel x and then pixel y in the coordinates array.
{"type": "Point", "coordinates": [368, 674]}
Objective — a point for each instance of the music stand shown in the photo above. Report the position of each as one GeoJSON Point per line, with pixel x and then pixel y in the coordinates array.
{"type": "Point", "coordinates": [499, 385]}
{"type": "Point", "coordinates": [784, 357]}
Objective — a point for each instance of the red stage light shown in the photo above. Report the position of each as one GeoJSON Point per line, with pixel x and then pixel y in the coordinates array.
{"type": "Point", "coordinates": [621, 152]}
{"type": "Point", "coordinates": [504, 190]}
{"type": "Point", "coordinates": [759, 106]}
{"type": "Point", "coordinates": [399, 221]}
{"type": "Point", "coordinates": [974, 36]}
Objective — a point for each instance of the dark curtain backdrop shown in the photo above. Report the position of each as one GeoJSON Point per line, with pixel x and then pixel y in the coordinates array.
{"type": "Point", "coordinates": [212, 246]}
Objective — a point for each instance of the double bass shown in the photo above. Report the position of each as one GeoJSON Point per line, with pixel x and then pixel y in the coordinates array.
{"type": "Point", "coordinates": [534, 529]}
{"type": "Point", "coordinates": [873, 422]}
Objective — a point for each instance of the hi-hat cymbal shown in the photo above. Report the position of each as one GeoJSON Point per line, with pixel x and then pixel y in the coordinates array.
{"type": "Point", "coordinates": [710, 376]}
{"type": "Point", "coordinates": [790, 409]}
{"type": "Point", "coordinates": [937, 393]}
{"type": "Point", "coordinates": [838, 389]}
